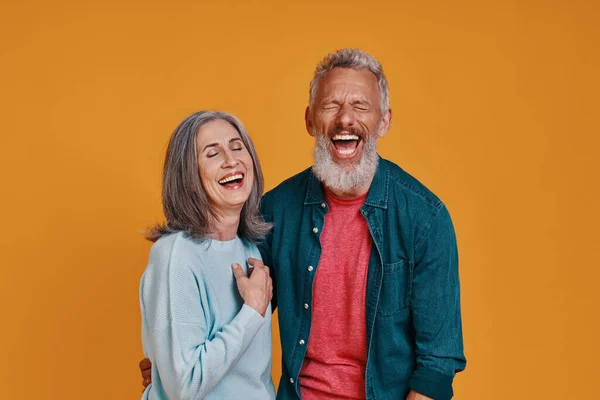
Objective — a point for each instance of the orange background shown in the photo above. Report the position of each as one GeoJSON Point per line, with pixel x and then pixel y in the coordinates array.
{"type": "Point", "coordinates": [495, 109]}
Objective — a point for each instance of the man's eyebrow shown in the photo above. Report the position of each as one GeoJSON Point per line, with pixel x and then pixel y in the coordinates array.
{"type": "Point", "coordinates": [332, 99]}
{"type": "Point", "coordinates": [217, 144]}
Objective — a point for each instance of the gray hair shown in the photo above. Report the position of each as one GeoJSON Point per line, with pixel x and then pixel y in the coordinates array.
{"type": "Point", "coordinates": [353, 59]}
{"type": "Point", "coordinates": [185, 203]}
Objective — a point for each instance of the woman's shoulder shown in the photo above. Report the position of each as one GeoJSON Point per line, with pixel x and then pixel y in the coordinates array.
{"type": "Point", "coordinates": [251, 250]}
{"type": "Point", "coordinates": [175, 247]}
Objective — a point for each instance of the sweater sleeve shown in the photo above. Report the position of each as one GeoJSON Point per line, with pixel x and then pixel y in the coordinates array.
{"type": "Point", "coordinates": [189, 363]}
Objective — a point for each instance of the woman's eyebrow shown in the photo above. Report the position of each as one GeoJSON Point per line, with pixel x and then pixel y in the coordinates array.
{"type": "Point", "coordinates": [210, 145]}
{"type": "Point", "coordinates": [235, 139]}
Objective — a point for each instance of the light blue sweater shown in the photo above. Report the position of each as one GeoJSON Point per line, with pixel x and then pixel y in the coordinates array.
{"type": "Point", "coordinates": [204, 343]}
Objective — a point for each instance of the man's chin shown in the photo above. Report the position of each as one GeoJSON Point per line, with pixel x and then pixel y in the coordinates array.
{"type": "Point", "coordinates": [346, 163]}
{"type": "Point", "coordinates": [346, 167]}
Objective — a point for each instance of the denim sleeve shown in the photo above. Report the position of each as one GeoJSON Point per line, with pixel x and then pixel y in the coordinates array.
{"type": "Point", "coordinates": [436, 309]}
{"type": "Point", "coordinates": [264, 246]}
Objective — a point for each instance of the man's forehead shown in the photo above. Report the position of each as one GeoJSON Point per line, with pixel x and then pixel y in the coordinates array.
{"type": "Point", "coordinates": [344, 80]}
{"type": "Point", "coordinates": [338, 74]}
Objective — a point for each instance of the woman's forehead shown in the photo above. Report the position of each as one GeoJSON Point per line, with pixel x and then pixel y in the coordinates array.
{"type": "Point", "coordinates": [217, 131]}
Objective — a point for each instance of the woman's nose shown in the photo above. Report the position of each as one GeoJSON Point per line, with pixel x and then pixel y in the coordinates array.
{"type": "Point", "coordinates": [230, 160]}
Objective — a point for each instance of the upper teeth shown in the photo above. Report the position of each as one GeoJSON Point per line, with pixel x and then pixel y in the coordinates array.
{"type": "Point", "coordinates": [231, 178]}
{"type": "Point", "coordinates": [345, 137]}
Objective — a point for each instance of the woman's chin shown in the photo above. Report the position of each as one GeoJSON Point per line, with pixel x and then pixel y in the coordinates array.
{"type": "Point", "coordinates": [237, 203]}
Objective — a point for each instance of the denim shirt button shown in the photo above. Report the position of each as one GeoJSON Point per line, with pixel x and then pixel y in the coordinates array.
{"type": "Point", "coordinates": [301, 342]}
{"type": "Point", "coordinates": [323, 205]}
{"type": "Point", "coordinates": [315, 229]}
{"type": "Point", "coordinates": [310, 268]}
{"type": "Point", "coordinates": [291, 380]}
{"type": "Point", "coordinates": [305, 306]}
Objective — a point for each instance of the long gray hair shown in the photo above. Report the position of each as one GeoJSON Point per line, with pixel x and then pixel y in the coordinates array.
{"type": "Point", "coordinates": [185, 203]}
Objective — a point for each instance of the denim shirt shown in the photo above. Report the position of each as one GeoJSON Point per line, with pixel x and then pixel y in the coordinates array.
{"type": "Point", "coordinates": [413, 321]}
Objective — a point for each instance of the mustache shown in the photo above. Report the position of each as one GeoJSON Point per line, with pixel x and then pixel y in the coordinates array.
{"type": "Point", "coordinates": [337, 129]}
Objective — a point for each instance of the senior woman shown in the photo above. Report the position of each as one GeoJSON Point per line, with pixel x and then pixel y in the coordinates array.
{"type": "Point", "coordinates": [206, 325]}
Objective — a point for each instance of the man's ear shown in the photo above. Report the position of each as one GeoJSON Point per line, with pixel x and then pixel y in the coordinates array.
{"type": "Point", "coordinates": [308, 121]}
{"type": "Point", "coordinates": [386, 121]}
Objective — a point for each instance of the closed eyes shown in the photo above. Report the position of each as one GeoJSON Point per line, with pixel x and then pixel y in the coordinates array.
{"type": "Point", "coordinates": [215, 153]}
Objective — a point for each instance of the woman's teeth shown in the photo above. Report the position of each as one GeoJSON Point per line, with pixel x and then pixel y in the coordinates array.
{"type": "Point", "coordinates": [231, 178]}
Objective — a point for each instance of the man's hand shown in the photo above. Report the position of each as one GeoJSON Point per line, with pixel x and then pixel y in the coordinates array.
{"type": "Point", "coordinates": [146, 369]}
{"type": "Point", "coordinates": [416, 396]}
{"type": "Point", "coordinates": [256, 290]}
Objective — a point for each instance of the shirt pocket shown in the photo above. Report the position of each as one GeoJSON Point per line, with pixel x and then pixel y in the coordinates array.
{"type": "Point", "coordinates": [395, 288]}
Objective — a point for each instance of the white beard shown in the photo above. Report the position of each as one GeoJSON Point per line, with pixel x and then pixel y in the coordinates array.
{"type": "Point", "coordinates": [346, 177]}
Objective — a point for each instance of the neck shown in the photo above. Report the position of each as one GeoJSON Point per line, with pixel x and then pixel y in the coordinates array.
{"type": "Point", "coordinates": [225, 227]}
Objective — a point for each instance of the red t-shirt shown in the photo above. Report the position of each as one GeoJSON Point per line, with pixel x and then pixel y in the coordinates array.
{"type": "Point", "coordinates": [334, 366]}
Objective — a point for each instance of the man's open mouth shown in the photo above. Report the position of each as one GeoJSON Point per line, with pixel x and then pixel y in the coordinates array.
{"type": "Point", "coordinates": [346, 145]}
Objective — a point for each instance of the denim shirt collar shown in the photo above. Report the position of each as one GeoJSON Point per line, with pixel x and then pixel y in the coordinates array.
{"type": "Point", "coordinates": [378, 191]}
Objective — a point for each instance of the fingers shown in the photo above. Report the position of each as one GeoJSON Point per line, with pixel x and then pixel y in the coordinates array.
{"type": "Point", "coordinates": [146, 368]}
{"type": "Point", "coordinates": [238, 272]}
{"type": "Point", "coordinates": [255, 262]}
{"type": "Point", "coordinates": [260, 273]}
{"type": "Point", "coordinates": [145, 364]}
{"type": "Point", "coordinates": [257, 290]}
{"type": "Point", "coordinates": [270, 290]}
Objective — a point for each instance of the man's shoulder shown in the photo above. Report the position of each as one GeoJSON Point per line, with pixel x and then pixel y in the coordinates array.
{"type": "Point", "coordinates": [292, 188]}
{"type": "Point", "coordinates": [401, 182]}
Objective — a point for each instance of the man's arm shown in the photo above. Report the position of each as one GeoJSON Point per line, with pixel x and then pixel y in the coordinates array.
{"type": "Point", "coordinates": [416, 396]}
{"type": "Point", "coordinates": [264, 246]}
{"type": "Point", "coordinates": [435, 306]}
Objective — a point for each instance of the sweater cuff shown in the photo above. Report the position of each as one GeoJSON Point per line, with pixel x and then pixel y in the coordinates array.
{"type": "Point", "coordinates": [251, 321]}
{"type": "Point", "coordinates": [432, 384]}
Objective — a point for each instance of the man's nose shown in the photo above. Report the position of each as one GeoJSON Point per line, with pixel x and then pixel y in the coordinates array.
{"type": "Point", "coordinates": [345, 116]}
